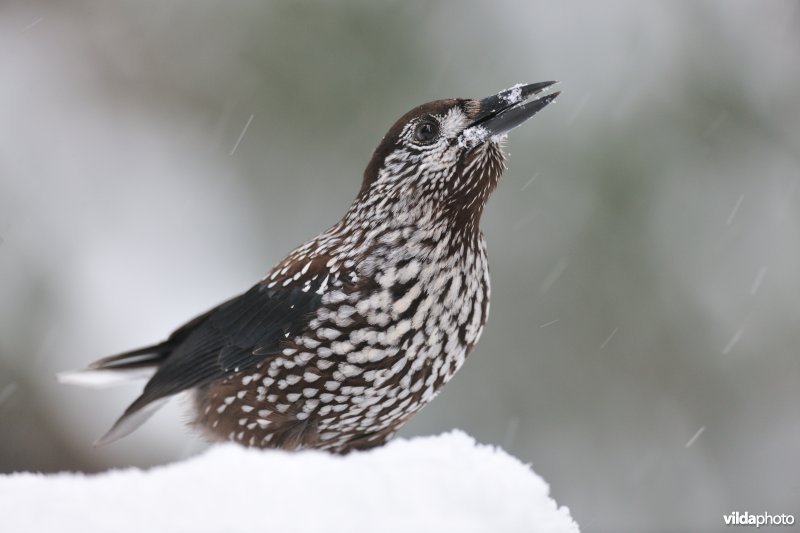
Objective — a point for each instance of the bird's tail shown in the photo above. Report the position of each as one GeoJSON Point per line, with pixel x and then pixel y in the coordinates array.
{"type": "Point", "coordinates": [118, 369]}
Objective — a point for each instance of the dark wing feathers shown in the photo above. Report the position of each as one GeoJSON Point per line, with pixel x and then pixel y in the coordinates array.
{"type": "Point", "coordinates": [227, 341]}
{"type": "Point", "coordinates": [155, 354]}
{"type": "Point", "coordinates": [234, 336]}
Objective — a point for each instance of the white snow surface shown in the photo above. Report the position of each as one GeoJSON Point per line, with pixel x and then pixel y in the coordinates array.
{"type": "Point", "coordinates": [443, 483]}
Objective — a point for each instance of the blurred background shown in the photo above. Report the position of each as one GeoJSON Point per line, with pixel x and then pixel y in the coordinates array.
{"type": "Point", "coordinates": [642, 352]}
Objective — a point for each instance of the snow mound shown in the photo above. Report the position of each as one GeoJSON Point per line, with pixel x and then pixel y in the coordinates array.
{"type": "Point", "coordinates": [443, 483]}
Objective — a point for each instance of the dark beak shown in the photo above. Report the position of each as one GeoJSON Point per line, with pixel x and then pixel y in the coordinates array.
{"type": "Point", "coordinates": [508, 109]}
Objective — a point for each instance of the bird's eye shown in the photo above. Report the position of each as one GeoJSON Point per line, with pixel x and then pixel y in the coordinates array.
{"type": "Point", "coordinates": [426, 131]}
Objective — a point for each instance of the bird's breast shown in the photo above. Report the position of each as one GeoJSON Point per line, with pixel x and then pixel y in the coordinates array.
{"type": "Point", "coordinates": [389, 333]}
{"type": "Point", "coordinates": [407, 330]}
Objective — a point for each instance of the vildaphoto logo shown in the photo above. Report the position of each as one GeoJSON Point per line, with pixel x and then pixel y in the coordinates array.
{"type": "Point", "coordinates": [764, 519]}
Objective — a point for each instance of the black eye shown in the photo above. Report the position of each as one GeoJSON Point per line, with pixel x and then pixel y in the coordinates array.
{"type": "Point", "coordinates": [426, 131]}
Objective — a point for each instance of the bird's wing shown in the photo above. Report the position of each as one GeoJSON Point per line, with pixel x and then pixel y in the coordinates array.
{"type": "Point", "coordinates": [235, 336]}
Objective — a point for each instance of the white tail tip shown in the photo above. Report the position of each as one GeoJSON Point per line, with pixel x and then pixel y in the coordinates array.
{"type": "Point", "coordinates": [100, 379]}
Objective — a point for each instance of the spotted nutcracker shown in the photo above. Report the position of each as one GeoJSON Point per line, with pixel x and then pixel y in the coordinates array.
{"type": "Point", "coordinates": [355, 331]}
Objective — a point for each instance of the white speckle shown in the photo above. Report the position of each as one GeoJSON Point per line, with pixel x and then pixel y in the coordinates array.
{"type": "Point", "coordinates": [735, 210]}
{"type": "Point", "coordinates": [387, 278]}
{"type": "Point", "coordinates": [247, 408]}
{"type": "Point", "coordinates": [473, 136]}
{"type": "Point", "coordinates": [359, 357]}
{"type": "Point", "coordinates": [759, 279]}
{"type": "Point", "coordinates": [553, 276]}
{"type": "Point", "coordinates": [405, 302]}
{"type": "Point", "coordinates": [695, 436]}
{"type": "Point", "coordinates": [324, 285]}
{"type": "Point", "coordinates": [732, 342]}
{"type": "Point", "coordinates": [310, 343]}
{"type": "Point", "coordinates": [349, 370]}
{"type": "Point", "coordinates": [304, 357]}
{"type": "Point", "coordinates": [32, 24]}
{"type": "Point", "coordinates": [375, 354]}
{"type": "Point", "coordinates": [608, 339]}
{"type": "Point", "coordinates": [241, 135]}
{"type": "Point", "coordinates": [293, 397]}
{"type": "Point", "coordinates": [529, 182]}
{"type": "Point", "coordinates": [328, 333]}
{"type": "Point", "coordinates": [310, 377]}
{"type": "Point", "coordinates": [341, 348]}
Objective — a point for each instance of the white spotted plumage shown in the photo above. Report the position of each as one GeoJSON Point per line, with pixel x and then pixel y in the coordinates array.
{"type": "Point", "coordinates": [404, 297]}
{"type": "Point", "coordinates": [356, 330]}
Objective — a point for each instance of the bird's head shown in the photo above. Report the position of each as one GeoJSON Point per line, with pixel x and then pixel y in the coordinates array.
{"type": "Point", "coordinates": [445, 157]}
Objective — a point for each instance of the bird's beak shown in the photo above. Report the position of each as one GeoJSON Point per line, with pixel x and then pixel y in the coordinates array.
{"type": "Point", "coordinates": [508, 109]}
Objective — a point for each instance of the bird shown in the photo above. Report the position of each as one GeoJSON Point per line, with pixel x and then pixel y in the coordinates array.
{"type": "Point", "coordinates": [353, 332]}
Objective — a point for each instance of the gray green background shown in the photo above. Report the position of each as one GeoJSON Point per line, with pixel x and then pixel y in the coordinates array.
{"type": "Point", "coordinates": [642, 348]}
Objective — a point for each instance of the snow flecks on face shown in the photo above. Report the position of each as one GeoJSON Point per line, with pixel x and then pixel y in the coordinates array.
{"type": "Point", "coordinates": [453, 122]}
{"type": "Point", "coordinates": [473, 136]}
